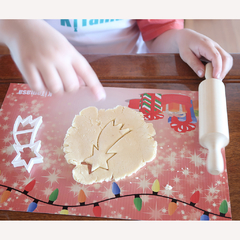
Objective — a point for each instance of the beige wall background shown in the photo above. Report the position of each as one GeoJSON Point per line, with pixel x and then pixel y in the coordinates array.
{"type": "Point", "coordinates": [225, 32]}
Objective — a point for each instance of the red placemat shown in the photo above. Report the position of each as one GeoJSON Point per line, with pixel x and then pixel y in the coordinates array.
{"type": "Point", "coordinates": [174, 186]}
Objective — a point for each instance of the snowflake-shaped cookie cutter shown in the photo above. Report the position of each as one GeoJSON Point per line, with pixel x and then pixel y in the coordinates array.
{"type": "Point", "coordinates": [34, 146]}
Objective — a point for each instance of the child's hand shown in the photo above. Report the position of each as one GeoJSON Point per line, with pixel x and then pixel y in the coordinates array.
{"type": "Point", "coordinates": [46, 59]}
{"type": "Point", "coordinates": [193, 45]}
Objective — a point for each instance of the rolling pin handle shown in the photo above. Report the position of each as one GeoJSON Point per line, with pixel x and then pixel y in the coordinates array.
{"type": "Point", "coordinates": [215, 162]}
{"type": "Point", "coordinates": [208, 70]}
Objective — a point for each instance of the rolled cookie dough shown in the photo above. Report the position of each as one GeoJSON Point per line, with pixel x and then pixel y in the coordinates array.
{"type": "Point", "coordinates": [108, 144]}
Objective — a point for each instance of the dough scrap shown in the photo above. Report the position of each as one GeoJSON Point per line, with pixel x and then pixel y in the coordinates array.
{"type": "Point", "coordinates": [108, 144]}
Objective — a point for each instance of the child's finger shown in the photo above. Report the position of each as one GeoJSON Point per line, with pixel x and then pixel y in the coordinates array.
{"type": "Point", "coordinates": [51, 78]}
{"type": "Point", "coordinates": [33, 78]}
{"type": "Point", "coordinates": [216, 59]}
{"type": "Point", "coordinates": [227, 62]}
{"type": "Point", "coordinates": [81, 82]}
{"type": "Point", "coordinates": [193, 61]}
{"type": "Point", "coordinates": [86, 73]}
{"type": "Point", "coordinates": [210, 52]}
{"type": "Point", "coordinates": [68, 77]}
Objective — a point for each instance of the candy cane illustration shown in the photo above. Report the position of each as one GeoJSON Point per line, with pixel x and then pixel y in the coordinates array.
{"type": "Point", "coordinates": [153, 105]}
{"type": "Point", "coordinates": [177, 123]}
{"type": "Point", "coordinates": [150, 106]}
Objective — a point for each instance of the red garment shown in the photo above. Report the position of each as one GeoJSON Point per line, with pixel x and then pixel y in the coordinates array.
{"type": "Point", "coordinates": [152, 28]}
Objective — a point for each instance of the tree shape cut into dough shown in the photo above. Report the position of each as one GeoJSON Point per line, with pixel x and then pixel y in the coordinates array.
{"type": "Point", "coordinates": [107, 138]}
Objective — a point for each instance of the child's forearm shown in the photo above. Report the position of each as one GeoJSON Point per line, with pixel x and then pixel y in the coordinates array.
{"type": "Point", "coordinates": [165, 43]}
{"type": "Point", "coordinates": [9, 28]}
{"type": "Point", "coordinates": [4, 30]}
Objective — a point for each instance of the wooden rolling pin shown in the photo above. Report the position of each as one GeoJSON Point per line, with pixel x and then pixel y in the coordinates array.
{"type": "Point", "coordinates": [213, 121]}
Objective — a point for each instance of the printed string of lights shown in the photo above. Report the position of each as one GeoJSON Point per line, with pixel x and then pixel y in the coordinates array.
{"type": "Point", "coordinates": [223, 209]}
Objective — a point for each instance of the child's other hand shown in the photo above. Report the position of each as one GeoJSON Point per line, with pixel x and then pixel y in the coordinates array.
{"type": "Point", "coordinates": [193, 45]}
{"type": "Point", "coordinates": [46, 59]}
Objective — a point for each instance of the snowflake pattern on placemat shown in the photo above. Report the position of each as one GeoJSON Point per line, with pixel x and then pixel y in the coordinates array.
{"type": "Point", "coordinates": [174, 186]}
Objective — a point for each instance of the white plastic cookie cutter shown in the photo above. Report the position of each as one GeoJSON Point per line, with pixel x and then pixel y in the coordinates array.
{"type": "Point", "coordinates": [28, 120]}
{"type": "Point", "coordinates": [34, 146]}
{"type": "Point", "coordinates": [18, 161]}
